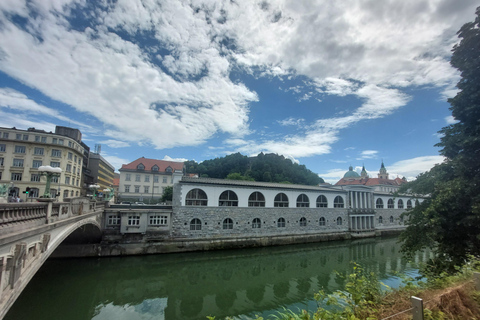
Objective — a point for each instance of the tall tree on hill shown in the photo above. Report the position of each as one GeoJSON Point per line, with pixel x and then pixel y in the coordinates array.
{"type": "Point", "coordinates": [449, 221]}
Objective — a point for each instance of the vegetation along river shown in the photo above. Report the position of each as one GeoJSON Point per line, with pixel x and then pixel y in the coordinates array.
{"type": "Point", "coordinates": [240, 283]}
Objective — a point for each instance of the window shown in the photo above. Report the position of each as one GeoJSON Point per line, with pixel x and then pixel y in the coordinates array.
{"type": "Point", "coordinates": [25, 137]}
{"type": "Point", "coordinates": [3, 147]}
{"type": "Point", "coordinates": [1, 163]}
{"type": "Point", "coordinates": [281, 223]}
{"type": "Point", "coordinates": [303, 201]}
{"type": "Point", "coordinates": [228, 223]}
{"type": "Point", "coordinates": [133, 220]}
{"type": "Point", "coordinates": [256, 199]}
{"type": "Point", "coordinates": [127, 188]}
{"type": "Point", "coordinates": [60, 141]}
{"type": "Point", "coordinates": [339, 221]}
{"type": "Point", "coordinates": [400, 204]}
{"type": "Point", "coordinates": [409, 204]}
{"type": "Point", "coordinates": [71, 193]}
{"type": "Point", "coordinates": [146, 189]}
{"type": "Point", "coordinates": [155, 168]}
{"type": "Point", "coordinates": [37, 138]}
{"type": "Point", "coordinates": [321, 221]}
{"type": "Point", "coordinates": [228, 199]}
{"type": "Point", "coordinates": [75, 159]}
{"type": "Point", "coordinates": [5, 135]}
{"type": "Point", "coordinates": [74, 170]}
{"type": "Point", "coordinates": [113, 219]}
{"type": "Point", "coordinates": [54, 180]}
{"type": "Point", "coordinates": [256, 223]}
{"type": "Point", "coordinates": [147, 178]}
{"type": "Point", "coordinates": [169, 169]}
{"type": "Point", "coordinates": [338, 202]}
{"type": "Point", "coordinates": [18, 136]}
{"type": "Point", "coordinates": [137, 177]}
{"type": "Point", "coordinates": [65, 194]}
{"type": "Point", "coordinates": [303, 222]}
{"type": "Point", "coordinates": [195, 224]}
{"type": "Point", "coordinates": [137, 189]}
{"type": "Point", "coordinates": [322, 201]}
{"type": "Point", "coordinates": [155, 179]}
{"type": "Point", "coordinates": [127, 177]}
{"type": "Point", "coordinates": [35, 178]}
{"type": "Point", "coordinates": [19, 149]}
{"type": "Point", "coordinates": [73, 181]}
{"type": "Point", "coordinates": [67, 180]}
{"type": "Point", "coordinates": [69, 168]}
{"type": "Point", "coordinates": [16, 176]}
{"type": "Point", "coordinates": [281, 200]}
{"type": "Point", "coordinates": [196, 197]}
{"type": "Point", "coordinates": [70, 156]}
{"type": "Point", "coordinates": [164, 180]}
{"type": "Point", "coordinates": [390, 204]}
{"type": "Point", "coordinates": [56, 153]}
{"type": "Point", "coordinates": [38, 151]}
{"type": "Point", "coordinates": [33, 193]}
{"type": "Point", "coordinates": [380, 219]}
{"type": "Point", "coordinates": [18, 163]}
{"type": "Point", "coordinates": [44, 139]}
{"type": "Point", "coordinates": [70, 144]}
{"type": "Point", "coordinates": [158, 220]}
{"type": "Point", "coordinates": [379, 204]}
{"type": "Point", "coordinates": [54, 164]}
{"type": "Point", "coordinates": [140, 167]}
{"type": "Point", "coordinates": [391, 219]}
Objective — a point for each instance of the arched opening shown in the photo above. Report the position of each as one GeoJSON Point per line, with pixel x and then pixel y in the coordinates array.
{"type": "Point", "coordinates": [79, 243]}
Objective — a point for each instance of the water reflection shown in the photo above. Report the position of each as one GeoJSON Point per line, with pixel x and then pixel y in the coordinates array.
{"type": "Point", "coordinates": [194, 285]}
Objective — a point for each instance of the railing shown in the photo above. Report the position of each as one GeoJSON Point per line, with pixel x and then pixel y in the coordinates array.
{"type": "Point", "coordinates": [13, 212]}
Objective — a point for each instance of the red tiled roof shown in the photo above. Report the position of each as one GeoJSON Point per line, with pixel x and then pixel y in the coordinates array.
{"type": "Point", "coordinates": [370, 182]}
{"type": "Point", "coordinates": [149, 163]}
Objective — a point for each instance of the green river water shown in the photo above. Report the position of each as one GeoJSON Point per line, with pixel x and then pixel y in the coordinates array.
{"type": "Point", "coordinates": [240, 283]}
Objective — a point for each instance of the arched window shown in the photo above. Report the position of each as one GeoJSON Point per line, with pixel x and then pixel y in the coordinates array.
{"type": "Point", "coordinates": [339, 221]}
{"type": "Point", "coordinates": [256, 223]}
{"type": "Point", "coordinates": [322, 201]}
{"type": "Point", "coordinates": [303, 222]}
{"type": "Point", "coordinates": [409, 204]}
{"type": "Point", "coordinates": [338, 202]}
{"type": "Point", "coordinates": [391, 219]}
{"type": "Point", "coordinates": [256, 199]}
{"type": "Point", "coordinates": [281, 223]}
{"type": "Point", "coordinates": [390, 204]}
{"type": "Point", "coordinates": [195, 224]}
{"type": "Point", "coordinates": [379, 204]}
{"type": "Point", "coordinates": [321, 221]}
{"type": "Point", "coordinates": [228, 223]}
{"type": "Point", "coordinates": [303, 201]}
{"type": "Point", "coordinates": [196, 197]}
{"type": "Point", "coordinates": [400, 204]}
{"type": "Point", "coordinates": [140, 166]}
{"type": "Point", "coordinates": [228, 198]}
{"type": "Point", "coordinates": [281, 200]}
{"type": "Point", "coordinates": [380, 219]}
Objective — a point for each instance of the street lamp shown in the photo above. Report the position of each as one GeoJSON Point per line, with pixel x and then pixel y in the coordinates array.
{"type": "Point", "coordinates": [93, 188]}
{"type": "Point", "coordinates": [49, 172]}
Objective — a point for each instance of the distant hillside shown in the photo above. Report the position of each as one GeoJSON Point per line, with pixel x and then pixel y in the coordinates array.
{"type": "Point", "coordinates": [264, 167]}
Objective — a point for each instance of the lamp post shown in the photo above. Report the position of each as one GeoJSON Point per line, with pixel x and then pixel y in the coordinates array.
{"type": "Point", "coordinates": [49, 172]}
{"type": "Point", "coordinates": [94, 188]}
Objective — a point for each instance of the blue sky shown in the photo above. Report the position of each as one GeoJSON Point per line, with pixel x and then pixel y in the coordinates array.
{"type": "Point", "coordinates": [326, 84]}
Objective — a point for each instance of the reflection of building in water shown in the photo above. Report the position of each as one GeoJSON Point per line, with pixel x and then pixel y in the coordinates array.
{"type": "Point", "coordinates": [243, 282]}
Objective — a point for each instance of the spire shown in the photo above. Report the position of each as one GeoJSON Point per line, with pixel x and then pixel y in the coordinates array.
{"type": "Point", "coordinates": [383, 174]}
{"type": "Point", "coordinates": [364, 173]}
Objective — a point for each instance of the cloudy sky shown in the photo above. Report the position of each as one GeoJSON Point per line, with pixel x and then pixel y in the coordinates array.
{"type": "Point", "coordinates": [328, 84]}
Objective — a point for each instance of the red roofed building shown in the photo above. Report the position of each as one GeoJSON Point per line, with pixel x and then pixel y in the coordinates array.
{"type": "Point", "coordinates": [144, 180]}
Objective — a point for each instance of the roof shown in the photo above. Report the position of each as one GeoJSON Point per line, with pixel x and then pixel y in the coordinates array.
{"type": "Point", "coordinates": [254, 184]}
{"type": "Point", "coordinates": [116, 181]}
{"type": "Point", "coordinates": [351, 174]}
{"type": "Point", "coordinates": [149, 163]}
{"type": "Point", "coordinates": [371, 182]}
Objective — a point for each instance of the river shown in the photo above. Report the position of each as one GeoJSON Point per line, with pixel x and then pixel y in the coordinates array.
{"type": "Point", "coordinates": [240, 283]}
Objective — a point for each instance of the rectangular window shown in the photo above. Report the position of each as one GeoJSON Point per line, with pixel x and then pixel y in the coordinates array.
{"type": "Point", "coordinates": [18, 163]}
{"type": "Point", "coordinates": [19, 149]}
{"type": "Point", "coordinates": [133, 220]}
{"type": "Point", "coordinates": [73, 181]}
{"type": "Point", "coordinates": [38, 151]}
{"type": "Point", "coordinates": [75, 159]}
{"type": "Point", "coordinates": [67, 180]}
{"type": "Point", "coordinates": [54, 179]}
{"type": "Point", "coordinates": [127, 188]}
{"type": "Point", "coordinates": [60, 141]}
{"type": "Point", "coordinates": [113, 220]}
{"type": "Point", "coordinates": [3, 147]}
{"type": "Point", "coordinates": [44, 139]}
{"type": "Point", "coordinates": [16, 176]}
{"type": "Point", "coordinates": [37, 138]}
{"type": "Point", "coordinates": [5, 135]}
{"type": "Point", "coordinates": [146, 189]}
{"type": "Point", "coordinates": [147, 178]}
{"type": "Point", "coordinates": [56, 153]}
{"type": "Point", "coordinates": [1, 162]}
{"type": "Point", "coordinates": [18, 136]}
{"type": "Point", "coordinates": [54, 164]}
{"type": "Point", "coordinates": [35, 178]}
{"type": "Point", "coordinates": [25, 137]}
{"type": "Point", "coordinates": [54, 141]}
{"type": "Point", "coordinates": [36, 163]}
{"type": "Point", "coordinates": [70, 144]}
{"type": "Point", "coordinates": [70, 156]}
{"type": "Point", "coordinates": [69, 168]}
{"type": "Point", "coordinates": [137, 189]}
{"type": "Point", "coordinates": [137, 177]}
{"type": "Point", "coordinates": [74, 170]}
{"type": "Point", "coordinates": [164, 180]}
{"type": "Point", "coordinates": [78, 181]}
{"type": "Point", "coordinates": [155, 179]}
{"type": "Point", "coordinates": [127, 177]}
{"type": "Point", "coordinates": [158, 220]}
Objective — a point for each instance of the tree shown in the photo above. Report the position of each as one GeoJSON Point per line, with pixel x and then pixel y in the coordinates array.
{"type": "Point", "coordinates": [167, 194]}
{"type": "Point", "coordinates": [449, 220]}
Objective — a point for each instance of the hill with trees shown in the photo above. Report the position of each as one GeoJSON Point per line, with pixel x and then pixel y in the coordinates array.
{"type": "Point", "coordinates": [264, 167]}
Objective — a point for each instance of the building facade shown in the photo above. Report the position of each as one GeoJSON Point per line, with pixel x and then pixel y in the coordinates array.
{"type": "Point", "coordinates": [144, 180]}
{"type": "Point", "coordinates": [23, 151]}
{"type": "Point", "coordinates": [101, 170]}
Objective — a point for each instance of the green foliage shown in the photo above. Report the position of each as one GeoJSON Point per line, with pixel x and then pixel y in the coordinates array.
{"type": "Point", "coordinates": [449, 222]}
{"type": "Point", "coordinates": [264, 167]}
{"type": "Point", "coordinates": [167, 194]}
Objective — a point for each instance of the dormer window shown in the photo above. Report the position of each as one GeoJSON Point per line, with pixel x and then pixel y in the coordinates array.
{"type": "Point", "coordinates": [155, 168]}
{"type": "Point", "coordinates": [169, 169]}
{"type": "Point", "coordinates": [140, 167]}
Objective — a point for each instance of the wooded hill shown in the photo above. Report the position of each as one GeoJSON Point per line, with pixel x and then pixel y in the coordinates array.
{"type": "Point", "coordinates": [264, 167]}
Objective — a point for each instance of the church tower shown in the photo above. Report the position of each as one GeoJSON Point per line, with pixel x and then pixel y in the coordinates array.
{"type": "Point", "coordinates": [364, 173]}
{"type": "Point", "coordinates": [383, 174]}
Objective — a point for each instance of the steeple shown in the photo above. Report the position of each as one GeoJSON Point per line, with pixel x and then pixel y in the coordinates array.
{"type": "Point", "coordinates": [364, 173]}
{"type": "Point", "coordinates": [383, 174]}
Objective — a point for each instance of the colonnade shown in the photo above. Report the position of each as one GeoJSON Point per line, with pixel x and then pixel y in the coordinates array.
{"type": "Point", "coordinates": [362, 222]}
{"type": "Point", "coordinates": [360, 200]}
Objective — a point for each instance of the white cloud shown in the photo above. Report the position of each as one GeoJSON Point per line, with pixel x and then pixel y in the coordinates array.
{"type": "Point", "coordinates": [168, 158]}
{"type": "Point", "coordinates": [368, 154]}
{"type": "Point", "coordinates": [115, 143]}
{"type": "Point", "coordinates": [411, 168]}
{"type": "Point", "coordinates": [291, 121]}
{"type": "Point", "coordinates": [450, 120]}
{"type": "Point", "coordinates": [115, 161]}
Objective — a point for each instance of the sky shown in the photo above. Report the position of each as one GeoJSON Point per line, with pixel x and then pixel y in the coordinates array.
{"type": "Point", "coordinates": [327, 84]}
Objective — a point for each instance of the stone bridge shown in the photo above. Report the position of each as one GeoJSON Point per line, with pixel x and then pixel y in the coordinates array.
{"type": "Point", "coordinates": [30, 232]}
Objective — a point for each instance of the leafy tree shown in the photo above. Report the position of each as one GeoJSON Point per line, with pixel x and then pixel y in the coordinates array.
{"type": "Point", "coordinates": [449, 220]}
{"type": "Point", "coordinates": [237, 176]}
{"type": "Point", "coordinates": [167, 194]}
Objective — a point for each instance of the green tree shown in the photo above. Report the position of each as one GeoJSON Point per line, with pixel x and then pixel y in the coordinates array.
{"type": "Point", "coordinates": [449, 220]}
{"type": "Point", "coordinates": [167, 194]}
